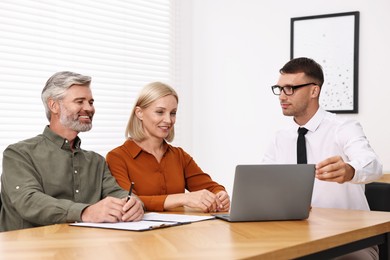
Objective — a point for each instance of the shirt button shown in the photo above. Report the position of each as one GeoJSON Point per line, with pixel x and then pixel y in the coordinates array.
{"type": "Point", "coordinates": [77, 191]}
{"type": "Point", "coordinates": [75, 171]}
{"type": "Point", "coordinates": [17, 187]}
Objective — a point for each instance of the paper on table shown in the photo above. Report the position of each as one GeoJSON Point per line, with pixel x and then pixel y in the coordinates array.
{"type": "Point", "coordinates": [179, 218]}
{"type": "Point", "coordinates": [150, 221]}
{"type": "Point", "coordinates": [135, 226]}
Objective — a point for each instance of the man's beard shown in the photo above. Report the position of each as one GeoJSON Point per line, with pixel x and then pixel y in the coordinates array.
{"type": "Point", "coordinates": [71, 121]}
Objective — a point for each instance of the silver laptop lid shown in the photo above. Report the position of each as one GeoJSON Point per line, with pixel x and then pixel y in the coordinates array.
{"type": "Point", "coordinates": [272, 192]}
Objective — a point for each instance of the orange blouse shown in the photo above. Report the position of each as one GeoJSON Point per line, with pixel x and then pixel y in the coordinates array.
{"type": "Point", "coordinates": [154, 181]}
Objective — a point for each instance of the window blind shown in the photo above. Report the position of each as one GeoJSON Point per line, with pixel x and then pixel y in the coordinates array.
{"type": "Point", "coordinates": [121, 44]}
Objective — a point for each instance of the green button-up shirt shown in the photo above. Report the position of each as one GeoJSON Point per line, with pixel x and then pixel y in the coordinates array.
{"type": "Point", "coordinates": [45, 182]}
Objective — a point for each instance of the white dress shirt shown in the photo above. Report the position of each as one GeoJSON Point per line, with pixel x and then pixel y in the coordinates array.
{"type": "Point", "coordinates": [329, 136]}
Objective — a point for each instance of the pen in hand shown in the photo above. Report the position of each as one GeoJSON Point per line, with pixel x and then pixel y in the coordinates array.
{"type": "Point", "coordinates": [130, 191]}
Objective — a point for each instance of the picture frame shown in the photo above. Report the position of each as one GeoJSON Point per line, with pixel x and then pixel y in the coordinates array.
{"type": "Point", "coordinates": [332, 40]}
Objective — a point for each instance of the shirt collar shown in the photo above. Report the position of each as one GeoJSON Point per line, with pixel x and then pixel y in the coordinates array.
{"type": "Point", "coordinates": [135, 150]}
{"type": "Point", "coordinates": [314, 122]}
{"type": "Point", "coordinates": [60, 141]}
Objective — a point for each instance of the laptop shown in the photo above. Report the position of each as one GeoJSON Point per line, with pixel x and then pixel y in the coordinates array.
{"type": "Point", "coordinates": [271, 192]}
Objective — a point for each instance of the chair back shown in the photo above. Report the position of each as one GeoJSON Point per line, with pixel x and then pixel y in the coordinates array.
{"type": "Point", "coordinates": [378, 196]}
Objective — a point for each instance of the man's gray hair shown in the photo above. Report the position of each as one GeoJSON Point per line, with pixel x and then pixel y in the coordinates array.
{"type": "Point", "coordinates": [57, 85]}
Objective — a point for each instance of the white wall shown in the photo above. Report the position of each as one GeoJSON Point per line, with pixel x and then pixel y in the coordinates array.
{"type": "Point", "coordinates": [235, 49]}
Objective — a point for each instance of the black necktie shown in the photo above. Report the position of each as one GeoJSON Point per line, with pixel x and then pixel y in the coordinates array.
{"type": "Point", "coordinates": [301, 146]}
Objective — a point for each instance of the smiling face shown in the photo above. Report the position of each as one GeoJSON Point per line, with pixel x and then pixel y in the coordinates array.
{"type": "Point", "coordinates": [159, 118]}
{"type": "Point", "coordinates": [76, 109]}
{"type": "Point", "coordinates": [303, 104]}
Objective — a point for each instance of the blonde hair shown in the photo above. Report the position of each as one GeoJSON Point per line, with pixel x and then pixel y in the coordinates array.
{"type": "Point", "coordinates": [147, 96]}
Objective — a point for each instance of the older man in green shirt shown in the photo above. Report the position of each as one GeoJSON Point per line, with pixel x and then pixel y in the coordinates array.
{"type": "Point", "coordinates": [49, 179]}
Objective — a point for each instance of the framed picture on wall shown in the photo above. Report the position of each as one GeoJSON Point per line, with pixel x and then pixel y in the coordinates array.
{"type": "Point", "coordinates": [332, 40]}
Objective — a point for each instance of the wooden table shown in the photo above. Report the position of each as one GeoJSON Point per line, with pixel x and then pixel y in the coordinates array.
{"type": "Point", "coordinates": [328, 231]}
{"type": "Point", "coordinates": [385, 178]}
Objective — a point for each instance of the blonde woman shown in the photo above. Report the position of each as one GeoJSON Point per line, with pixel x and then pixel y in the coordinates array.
{"type": "Point", "coordinates": [161, 172]}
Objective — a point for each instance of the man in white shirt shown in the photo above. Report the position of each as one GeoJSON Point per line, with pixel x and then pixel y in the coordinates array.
{"type": "Point", "coordinates": [339, 148]}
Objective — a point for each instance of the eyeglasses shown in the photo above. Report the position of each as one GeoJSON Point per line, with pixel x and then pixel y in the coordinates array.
{"type": "Point", "coordinates": [289, 90]}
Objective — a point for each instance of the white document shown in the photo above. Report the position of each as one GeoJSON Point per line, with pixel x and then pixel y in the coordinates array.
{"type": "Point", "coordinates": [135, 226]}
{"type": "Point", "coordinates": [180, 218]}
{"type": "Point", "coordinates": [150, 221]}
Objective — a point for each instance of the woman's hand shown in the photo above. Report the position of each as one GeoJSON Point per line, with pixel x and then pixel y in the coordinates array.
{"type": "Point", "coordinates": [223, 201]}
{"type": "Point", "coordinates": [202, 199]}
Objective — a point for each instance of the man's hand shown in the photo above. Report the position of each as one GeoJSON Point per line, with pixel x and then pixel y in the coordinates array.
{"type": "Point", "coordinates": [113, 210]}
{"type": "Point", "coordinates": [133, 210]}
{"type": "Point", "coordinates": [334, 169]}
{"type": "Point", "coordinates": [109, 209]}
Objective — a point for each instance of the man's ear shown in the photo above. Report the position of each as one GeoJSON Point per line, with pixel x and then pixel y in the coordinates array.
{"type": "Point", "coordinates": [138, 112]}
{"type": "Point", "coordinates": [316, 91]}
{"type": "Point", "coordinates": [53, 106]}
